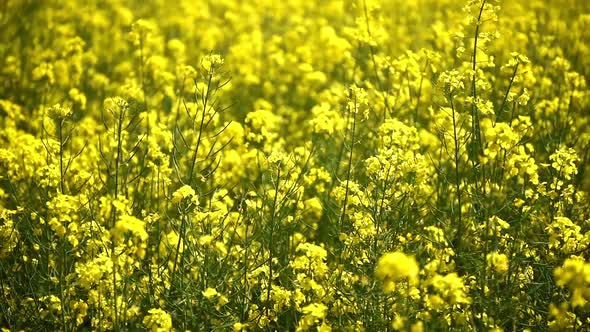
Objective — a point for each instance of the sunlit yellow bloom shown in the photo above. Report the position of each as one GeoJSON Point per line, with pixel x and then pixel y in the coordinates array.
{"type": "Point", "coordinates": [209, 293]}
{"type": "Point", "coordinates": [397, 266]}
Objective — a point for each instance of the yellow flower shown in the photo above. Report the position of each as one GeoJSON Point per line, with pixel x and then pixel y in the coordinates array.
{"type": "Point", "coordinates": [450, 288]}
{"type": "Point", "coordinates": [498, 261]}
{"type": "Point", "coordinates": [140, 30]}
{"type": "Point", "coordinates": [324, 327]}
{"type": "Point", "coordinates": [158, 320]}
{"type": "Point", "coordinates": [397, 266]}
{"type": "Point", "coordinates": [211, 62]}
{"type": "Point", "coordinates": [399, 322]}
{"type": "Point", "coordinates": [575, 274]}
{"type": "Point", "coordinates": [129, 224]}
{"type": "Point", "coordinates": [417, 327]}
{"type": "Point", "coordinates": [316, 310]}
{"type": "Point", "coordinates": [209, 293]}
{"type": "Point", "coordinates": [237, 327]}
{"type": "Point", "coordinates": [185, 192]}
{"type": "Point", "coordinates": [59, 111]}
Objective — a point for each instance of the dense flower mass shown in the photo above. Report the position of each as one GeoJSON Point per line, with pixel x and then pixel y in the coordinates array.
{"type": "Point", "coordinates": [334, 165]}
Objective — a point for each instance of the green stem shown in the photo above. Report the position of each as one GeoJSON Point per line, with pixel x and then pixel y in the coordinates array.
{"type": "Point", "coordinates": [201, 128]}
{"type": "Point", "coordinates": [459, 235]}
{"type": "Point", "coordinates": [349, 167]}
{"type": "Point", "coordinates": [271, 239]}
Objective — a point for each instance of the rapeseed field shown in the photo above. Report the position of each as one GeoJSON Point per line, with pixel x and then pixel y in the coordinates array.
{"type": "Point", "coordinates": [322, 165]}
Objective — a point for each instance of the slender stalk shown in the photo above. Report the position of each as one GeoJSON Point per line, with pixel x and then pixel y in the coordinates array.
{"type": "Point", "coordinates": [349, 167]}
{"type": "Point", "coordinates": [113, 212]}
{"type": "Point", "coordinates": [459, 235]}
{"type": "Point", "coordinates": [476, 151]}
{"type": "Point", "coordinates": [181, 238]}
{"type": "Point", "coordinates": [61, 156]}
{"type": "Point", "coordinates": [245, 275]}
{"type": "Point", "coordinates": [271, 239]}
{"type": "Point", "coordinates": [61, 287]}
{"type": "Point", "coordinates": [61, 242]}
{"type": "Point", "coordinates": [476, 143]}
{"type": "Point", "coordinates": [420, 91]}
{"type": "Point", "coordinates": [201, 128]}
{"type": "Point", "coordinates": [142, 74]}
{"type": "Point", "coordinates": [372, 50]}
{"type": "Point", "coordinates": [381, 207]}
{"type": "Point", "coordinates": [509, 87]}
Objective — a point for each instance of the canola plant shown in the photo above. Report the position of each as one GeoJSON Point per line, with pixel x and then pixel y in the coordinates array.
{"type": "Point", "coordinates": [358, 165]}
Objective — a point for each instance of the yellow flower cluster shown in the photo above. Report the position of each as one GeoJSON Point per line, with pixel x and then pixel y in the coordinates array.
{"type": "Point", "coordinates": [358, 165]}
{"type": "Point", "coordinates": [158, 320]}
{"type": "Point", "coordinates": [574, 275]}
{"type": "Point", "coordinates": [396, 266]}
